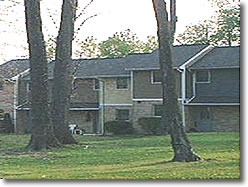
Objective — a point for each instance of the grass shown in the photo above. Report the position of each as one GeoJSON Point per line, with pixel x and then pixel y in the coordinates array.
{"type": "Point", "coordinates": [122, 157]}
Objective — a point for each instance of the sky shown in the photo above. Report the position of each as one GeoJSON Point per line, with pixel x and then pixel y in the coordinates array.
{"type": "Point", "coordinates": [112, 16]}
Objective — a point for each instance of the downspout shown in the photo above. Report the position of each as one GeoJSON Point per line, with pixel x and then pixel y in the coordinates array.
{"type": "Point", "coordinates": [15, 105]}
{"type": "Point", "coordinates": [102, 103]}
{"type": "Point", "coordinates": [182, 70]}
{"type": "Point", "coordinates": [183, 93]}
{"type": "Point", "coordinates": [15, 102]}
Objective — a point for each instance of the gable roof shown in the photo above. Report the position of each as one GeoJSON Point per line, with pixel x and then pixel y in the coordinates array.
{"type": "Point", "coordinates": [180, 54]}
{"type": "Point", "coordinates": [219, 57]}
{"type": "Point", "coordinates": [14, 67]}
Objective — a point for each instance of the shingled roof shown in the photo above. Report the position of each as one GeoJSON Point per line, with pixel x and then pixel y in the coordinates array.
{"type": "Point", "coordinates": [112, 67]}
{"type": "Point", "coordinates": [116, 67]}
{"type": "Point", "coordinates": [219, 57]}
{"type": "Point", "coordinates": [180, 54]}
{"type": "Point", "coordinates": [14, 67]}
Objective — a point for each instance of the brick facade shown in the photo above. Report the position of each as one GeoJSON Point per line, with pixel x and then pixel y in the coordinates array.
{"type": "Point", "coordinates": [7, 97]}
{"type": "Point", "coordinates": [227, 118]}
{"type": "Point", "coordinates": [221, 118]}
{"type": "Point", "coordinates": [85, 120]}
{"type": "Point", "coordinates": [143, 109]}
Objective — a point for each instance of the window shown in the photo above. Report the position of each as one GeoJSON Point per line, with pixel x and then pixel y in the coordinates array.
{"type": "Point", "coordinates": [122, 83]}
{"type": "Point", "coordinates": [122, 114]}
{"type": "Point", "coordinates": [157, 110]}
{"type": "Point", "coordinates": [156, 77]}
{"type": "Point", "coordinates": [1, 85]}
{"type": "Point", "coordinates": [203, 76]}
{"type": "Point", "coordinates": [96, 84]}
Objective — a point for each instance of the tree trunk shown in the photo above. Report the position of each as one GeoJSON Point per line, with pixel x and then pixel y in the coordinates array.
{"type": "Point", "coordinates": [171, 117]}
{"type": "Point", "coordinates": [62, 71]}
{"type": "Point", "coordinates": [42, 135]}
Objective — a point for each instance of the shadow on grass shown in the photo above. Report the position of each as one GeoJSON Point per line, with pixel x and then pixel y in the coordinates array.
{"type": "Point", "coordinates": [170, 161]}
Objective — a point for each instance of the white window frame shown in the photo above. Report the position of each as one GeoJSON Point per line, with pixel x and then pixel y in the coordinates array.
{"type": "Point", "coordinates": [152, 78]}
{"type": "Point", "coordinates": [94, 85]}
{"type": "Point", "coordinates": [127, 79]}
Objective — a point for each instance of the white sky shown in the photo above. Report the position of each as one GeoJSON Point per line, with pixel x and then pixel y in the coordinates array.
{"type": "Point", "coordinates": [113, 16]}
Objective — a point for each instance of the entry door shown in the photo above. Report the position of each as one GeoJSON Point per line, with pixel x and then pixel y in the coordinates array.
{"type": "Point", "coordinates": [205, 119]}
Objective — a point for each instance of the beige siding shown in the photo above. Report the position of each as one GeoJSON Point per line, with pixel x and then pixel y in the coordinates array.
{"type": "Point", "coordinates": [143, 88]}
{"type": "Point", "coordinates": [112, 95]}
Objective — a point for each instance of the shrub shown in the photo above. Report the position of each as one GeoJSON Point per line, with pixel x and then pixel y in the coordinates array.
{"type": "Point", "coordinates": [151, 125]}
{"type": "Point", "coordinates": [118, 127]}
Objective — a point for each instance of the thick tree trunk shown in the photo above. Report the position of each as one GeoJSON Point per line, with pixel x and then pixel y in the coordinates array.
{"type": "Point", "coordinates": [42, 135]}
{"type": "Point", "coordinates": [62, 71]}
{"type": "Point", "coordinates": [171, 117]}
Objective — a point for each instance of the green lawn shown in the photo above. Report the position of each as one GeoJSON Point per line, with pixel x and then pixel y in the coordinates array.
{"type": "Point", "coordinates": [122, 157]}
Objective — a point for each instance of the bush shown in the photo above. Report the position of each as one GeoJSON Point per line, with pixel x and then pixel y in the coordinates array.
{"type": "Point", "coordinates": [151, 125]}
{"type": "Point", "coordinates": [118, 127]}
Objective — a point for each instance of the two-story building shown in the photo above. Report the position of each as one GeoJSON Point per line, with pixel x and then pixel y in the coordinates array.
{"type": "Point", "coordinates": [129, 88]}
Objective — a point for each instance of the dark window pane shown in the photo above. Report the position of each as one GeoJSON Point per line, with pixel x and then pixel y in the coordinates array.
{"type": "Point", "coordinates": [202, 76]}
{"type": "Point", "coordinates": [157, 110]}
{"type": "Point", "coordinates": [1, 85]}
{"type": "Point", "coordinates": [156, 76]}
{"type": "Point", "coordinates": [122, 114]}
{"type": "Point", "coordinates": [122, 83]}
{"type": "Point", "coordinates": [96, 84]}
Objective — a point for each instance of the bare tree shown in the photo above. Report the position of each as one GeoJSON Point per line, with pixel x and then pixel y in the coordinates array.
{"type": "Point", "coordinates": [62, 73]}
{"type": "Point", "coordinates": [41, 133]}
{"type": "Point", "coordinates": [171, 117]}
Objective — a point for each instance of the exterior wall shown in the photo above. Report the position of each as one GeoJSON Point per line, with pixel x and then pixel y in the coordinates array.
{"type": "Point", "coordinates": [110, 112]}
{"type": "Point", "coordinates": [112, 95]}
{"type": "Point", "coordinates": [224, 83]}
{"type": "Point", "coordinates": [23, 94]}
{"type": "Point", "coordinates": [84, 119]}
{"type": "Point", "coordinates": [84, 91]}
{"type": "Point", "coordinates": [227, 118]}
{"type": "Point", "coordinates": [7, 98]}
{"type": "Point", "coordinates": [143, 109]}
{"type": "Point", "coordinates": [221, 118]}
{"type": "Point", "coordinates": [143, 88]}
{"type": "Point", "coordinates": [189, 84]}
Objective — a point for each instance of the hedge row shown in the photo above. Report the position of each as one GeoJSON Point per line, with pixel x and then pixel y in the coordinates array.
{"type": "Point", "coordinates": [150, 125]}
